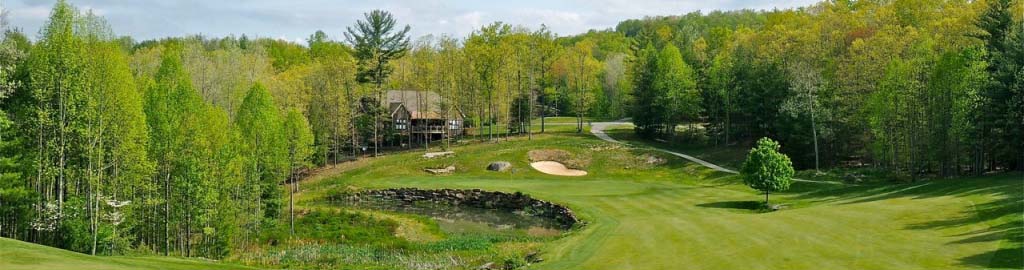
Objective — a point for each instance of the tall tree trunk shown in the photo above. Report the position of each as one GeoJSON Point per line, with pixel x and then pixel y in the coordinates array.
{"type": "Point", "coordinates": [529, 107]}
{"type": "Point", "coordinates": [490, 115]}
{"type": "Point", "coordinates": [167, 214]}
{"type": "Point", "coordinates": [291, 198]}
{"type": "Point", "coordinates": [94, 204]}
{"type": "Point", "coordinates": [376, 123]}
{"type": "Point", "coordinates": [814, 132]}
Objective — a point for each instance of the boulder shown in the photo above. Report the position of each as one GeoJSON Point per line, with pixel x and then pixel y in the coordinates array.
{"type": "Point", "coordinates": [777, 207]}
{"type": "Point", "coordinates": [533, 257]}
{"type": "Point", "coordinates": [499, 166]}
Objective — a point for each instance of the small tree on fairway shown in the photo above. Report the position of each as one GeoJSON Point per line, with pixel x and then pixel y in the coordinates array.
{"type": "Point", "coordinates": [766, 169]}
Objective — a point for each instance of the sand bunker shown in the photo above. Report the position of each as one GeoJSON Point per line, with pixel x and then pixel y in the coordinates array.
{"type": "Point", "coordinates": [555, 168]}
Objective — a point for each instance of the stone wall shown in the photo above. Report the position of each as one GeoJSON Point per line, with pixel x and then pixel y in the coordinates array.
{"type": "Point", "coordinates": [475, 198]}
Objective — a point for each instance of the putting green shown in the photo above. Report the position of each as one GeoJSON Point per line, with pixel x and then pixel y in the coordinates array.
{"type": "Point", "coordinates": [682, 216]}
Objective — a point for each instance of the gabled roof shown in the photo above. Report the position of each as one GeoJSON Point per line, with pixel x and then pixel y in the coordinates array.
{"type": "Point", "coordinates": [420, 104]}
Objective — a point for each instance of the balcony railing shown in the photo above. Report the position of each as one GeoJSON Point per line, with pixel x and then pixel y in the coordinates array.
{"type": "Point", "coordinates": [428, 129]}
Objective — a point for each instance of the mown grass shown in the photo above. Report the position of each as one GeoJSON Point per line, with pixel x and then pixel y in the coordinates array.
{"type": "Point", "coordinates": [671, 215]}
{"type": "Point", "coordinates": [17, 255]}
{"type": "Point", "coordinates": [726, 156]}
{"type": "Point", "coordinates": [679, 215]}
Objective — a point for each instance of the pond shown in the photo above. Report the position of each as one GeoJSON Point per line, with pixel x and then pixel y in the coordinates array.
{"type": "Point", "coordinates": [455, 219]}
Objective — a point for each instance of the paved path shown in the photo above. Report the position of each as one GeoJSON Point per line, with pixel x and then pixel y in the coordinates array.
{"type": "Point", "coordinates": [597, 128]}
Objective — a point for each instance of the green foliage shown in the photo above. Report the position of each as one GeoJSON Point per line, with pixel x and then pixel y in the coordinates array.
{"type": "Point", "coordinates": [285, 55]}
{"type": "Point", "coordinates": [666, 91]}
{"type": "Point", "coordinates": [185, 130]}
{"type": "Point", "coordinates": [1003, 98]}
{"type": "Point", "coordinates": [376, 42]}
{"type": "Point", "coordinates": [199, 172]}
{"type": "Point", "coordinates": [300, 140]}
{"type": "Point", "coordinates": [16, 199]}
{"type": "Point", "coordinates": [320, 47]}
{"type": "Point", "coordinates": [676, 82]}
{"type": "Point", "coordinates": [647, 111]}
{"type": "Point", "coordinates": [347, 227]}
{"type": "Point", "coordinates": [261, 126]}
{"type": "Point", "coordinates": [767, 170]}
{"type": "Point", "coordinates": [954, 90]}
{"type": "Point", "coordinates": [332, 106]}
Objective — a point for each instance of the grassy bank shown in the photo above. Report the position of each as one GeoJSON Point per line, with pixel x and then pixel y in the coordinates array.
{"type": "Point", "coordinates": [679, 215]}
{"type": "Point", "coordinates": [644, 209]}
{"type": "Point", "coordinates": [17, 255]}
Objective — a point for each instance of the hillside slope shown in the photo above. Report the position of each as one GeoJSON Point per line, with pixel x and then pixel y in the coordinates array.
{"type": "Point", "coordinates": [16, 255]}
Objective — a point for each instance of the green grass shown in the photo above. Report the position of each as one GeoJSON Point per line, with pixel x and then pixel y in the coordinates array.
{"type": "Point", "coordinates": [673, 215]}
{"type": "Point", "coordinates": [561, 124]}
{"type": "Point", "coordinates": [16, 255]}
{"type": "Point", "coordinates": [729, 157]}
{"type": "Point", "coordinates": [679, 215]}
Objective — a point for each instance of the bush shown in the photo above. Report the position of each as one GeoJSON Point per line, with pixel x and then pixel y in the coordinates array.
{"type": "Point", "coordinates": [340, 227]}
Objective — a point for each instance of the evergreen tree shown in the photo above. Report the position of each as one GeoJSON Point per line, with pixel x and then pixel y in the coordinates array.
{"type": "Point", "coordinates": [1002, 120]}
{"type": "Point", "coordinates": [376, 43]}
{"type": "Point", "coordinates": [647, 110]}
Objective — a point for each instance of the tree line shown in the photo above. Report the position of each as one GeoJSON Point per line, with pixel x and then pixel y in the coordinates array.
{"type": "Point", "coordinates": [912, 88]}
{"type": "Point", "coordinates": [191, 146]}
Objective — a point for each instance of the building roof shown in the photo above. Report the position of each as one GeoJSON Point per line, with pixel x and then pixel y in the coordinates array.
{"type": "Point", "coordinates": [420, 104]}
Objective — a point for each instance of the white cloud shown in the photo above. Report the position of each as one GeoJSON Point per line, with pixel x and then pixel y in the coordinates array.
{"type": "Point", "coordinates": [558, 21]}
{"type": "Point", "coordinates": [466, 23]}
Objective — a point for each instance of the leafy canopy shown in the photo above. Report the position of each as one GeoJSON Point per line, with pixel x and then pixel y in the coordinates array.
{"type": "Point", "coordinates": [766, 169]}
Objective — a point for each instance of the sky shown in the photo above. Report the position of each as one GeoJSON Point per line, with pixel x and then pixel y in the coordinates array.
{"type": "Point", "coordinates": [296, 19]}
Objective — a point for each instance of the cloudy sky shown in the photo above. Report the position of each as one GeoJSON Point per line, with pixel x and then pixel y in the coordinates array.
{"type": "Point", "coordinates": [297, 19]}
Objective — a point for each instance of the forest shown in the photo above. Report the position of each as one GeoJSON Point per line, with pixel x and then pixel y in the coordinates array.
{"type": "Point", "coordinates": [190, 146]}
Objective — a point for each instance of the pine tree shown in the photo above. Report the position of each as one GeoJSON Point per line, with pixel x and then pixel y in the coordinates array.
{"type": "Point", "coordinates": [647, 110]}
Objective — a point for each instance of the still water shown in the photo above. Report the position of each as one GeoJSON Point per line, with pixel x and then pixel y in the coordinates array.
{"type": "Point", "coordinates": [468, 220]}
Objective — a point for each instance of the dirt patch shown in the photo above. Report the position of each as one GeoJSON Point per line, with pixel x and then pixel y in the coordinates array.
{"type": "Point", "coordinates": [556, 168]}
{"type": "Point", "coordinates": [652, 159]}
{"type": "Point", "coordinates": [438, 154]}
{"type": "Point", "coordinates": [441, 171]}
{"type": "Point", "coordinates": [631, 161]}
{"type": "Point", "coordinates": [566, 158]}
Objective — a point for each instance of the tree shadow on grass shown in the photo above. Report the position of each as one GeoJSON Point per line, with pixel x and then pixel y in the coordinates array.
{"type": "Point", "coordinates": [1006, 227]}
{"type": "Point", "coordinates": [740, 205]}
{"type": "Point", "coordinates": [1004, 216]}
